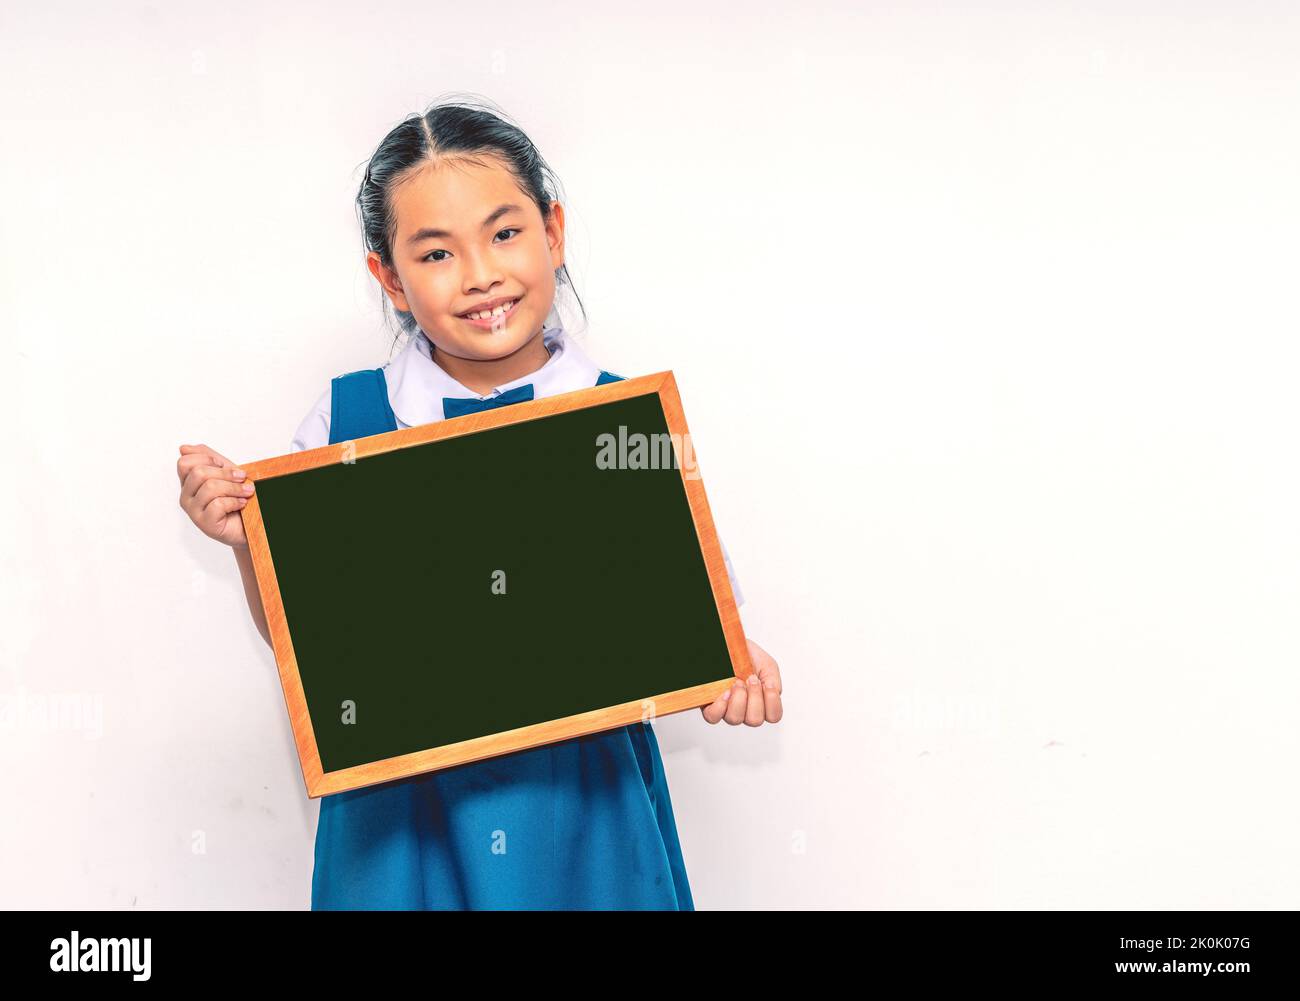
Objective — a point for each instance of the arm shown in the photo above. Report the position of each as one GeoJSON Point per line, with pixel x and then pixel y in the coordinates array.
{"type": "Point", "coordinates": [213, 494]}
{"type": "Point", "coordinates": [312, 432]}
{"type": "Point", "coordinates": [245, 561]}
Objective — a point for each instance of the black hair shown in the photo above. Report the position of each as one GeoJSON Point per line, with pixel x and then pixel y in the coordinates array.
{"type": "Point", "coordinates": [466, 128]}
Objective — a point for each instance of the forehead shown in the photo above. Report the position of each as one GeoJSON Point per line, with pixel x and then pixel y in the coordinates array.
{"type": "Point", "coordinates": [455, 195]}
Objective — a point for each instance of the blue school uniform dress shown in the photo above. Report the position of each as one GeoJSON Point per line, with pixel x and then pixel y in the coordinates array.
{"type": "Point", "coordinates": [581, 824]}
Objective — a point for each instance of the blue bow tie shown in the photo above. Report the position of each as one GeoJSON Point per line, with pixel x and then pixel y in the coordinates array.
{"type": "Point", "coordinates": [455, 407]}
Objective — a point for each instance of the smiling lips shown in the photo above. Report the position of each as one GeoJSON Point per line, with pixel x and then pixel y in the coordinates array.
{"type": "Point", "coordinates": [488, 319]}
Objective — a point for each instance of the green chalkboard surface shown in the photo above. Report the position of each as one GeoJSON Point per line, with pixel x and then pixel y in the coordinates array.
{"type": "Point", "coordinates": [474, 585]}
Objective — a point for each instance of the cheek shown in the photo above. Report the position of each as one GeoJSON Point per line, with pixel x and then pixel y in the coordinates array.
{"type": "Point", "coordinates": [541, 274]}
{"type": "Point", "coordinates": [433, 287]}
{"type": "Point", "coordinates": [539, 261]}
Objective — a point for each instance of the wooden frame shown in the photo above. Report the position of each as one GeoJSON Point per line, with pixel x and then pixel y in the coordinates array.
{"type": "Point", "coordinates": [319, 782]}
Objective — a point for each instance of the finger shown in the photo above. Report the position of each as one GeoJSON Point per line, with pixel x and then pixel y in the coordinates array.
{"type": "Point", "coordinates": [192, 455]}
{"type": "Point", "coordinates": [188, 460]}
{"type": "Point", "coordinates": [772, 709]}
{"type": "Point", "coordinates": [219, 507]}
{"type": "Point", "coordinates": [735, 714]}
{"type": "Point", "coordinates": [186, 464]}
{"type": "Point", "coordinates": [216, 490]}
{"type": "Point", "coordinates": [770, 675]}
{"type": "Point", "coordinates": [764, 665]}
{"type": "Point", "coordinates": [202, 473]}
{"type": "Point", "coordinates": [714, 710]}
{"type": "Point", "coordinates": [198, 473]}
{"type": "Point", "coordinates": [215, 487]}
{"type": "Point", "coordinates": [212, 483]}
{"type": "Point", "coordinates": [219, 459]}
{"type": "Point", "coordinates": [754, 706]}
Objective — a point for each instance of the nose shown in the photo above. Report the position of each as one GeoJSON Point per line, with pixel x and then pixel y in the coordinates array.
{"type": "Point", "coordinates": [482, 272]}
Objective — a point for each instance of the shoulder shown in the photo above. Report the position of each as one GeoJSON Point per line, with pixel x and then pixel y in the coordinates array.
{"type": "Point", "coordinates": [314, 430]}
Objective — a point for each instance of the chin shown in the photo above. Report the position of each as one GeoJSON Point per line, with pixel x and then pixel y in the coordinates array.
{"type": "Point", "coordinates": [496, 350]}
{"type": "Point", "coordinates": [486, 345]}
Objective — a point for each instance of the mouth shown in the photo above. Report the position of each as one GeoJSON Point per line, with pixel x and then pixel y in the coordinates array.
{"type": "Point", "coordinates": [496, 318]}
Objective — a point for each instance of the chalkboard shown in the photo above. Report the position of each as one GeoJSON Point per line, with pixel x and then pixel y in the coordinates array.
{"type": "Point", "coordinates": [488, 583]}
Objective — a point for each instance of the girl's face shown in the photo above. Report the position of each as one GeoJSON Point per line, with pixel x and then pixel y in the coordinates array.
{"type": "Point", "coordinates": [467, 235]}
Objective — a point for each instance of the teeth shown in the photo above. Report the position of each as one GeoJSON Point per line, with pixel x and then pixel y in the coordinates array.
{"type": "Point", "coordinates": [488, 314]}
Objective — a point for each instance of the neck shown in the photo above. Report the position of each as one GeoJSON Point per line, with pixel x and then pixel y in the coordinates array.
{"type": "Point", "coordinates": [482, 376]}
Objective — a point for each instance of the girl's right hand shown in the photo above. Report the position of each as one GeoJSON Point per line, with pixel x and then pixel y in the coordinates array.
{"type": "Point", "coordinates": [213, 493]}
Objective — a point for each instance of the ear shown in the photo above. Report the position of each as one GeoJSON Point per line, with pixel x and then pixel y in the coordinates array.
{"type": "Point", "coordinates": [388, 279]}
{"type": "Point", "coordinates": [555, 235]}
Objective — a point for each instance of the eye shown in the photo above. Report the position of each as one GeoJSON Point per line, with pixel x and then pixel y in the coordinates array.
{"type": "Point", "coordinates": [438, 260]}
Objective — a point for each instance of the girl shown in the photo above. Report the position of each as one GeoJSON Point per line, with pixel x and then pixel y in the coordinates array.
{"type": "Point", "coordinates": [466, 239]}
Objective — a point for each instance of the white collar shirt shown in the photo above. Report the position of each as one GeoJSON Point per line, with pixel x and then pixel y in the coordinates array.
{"type": "Point", "coordinates": [417, 385]}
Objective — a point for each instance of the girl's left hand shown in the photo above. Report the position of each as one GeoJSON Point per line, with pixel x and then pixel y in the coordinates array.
{"type": "Point", "coordinates": [751, 703]}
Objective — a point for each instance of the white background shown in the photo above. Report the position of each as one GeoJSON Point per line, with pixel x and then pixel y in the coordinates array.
{"type": "Point", "coordinates": [984, 319]}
